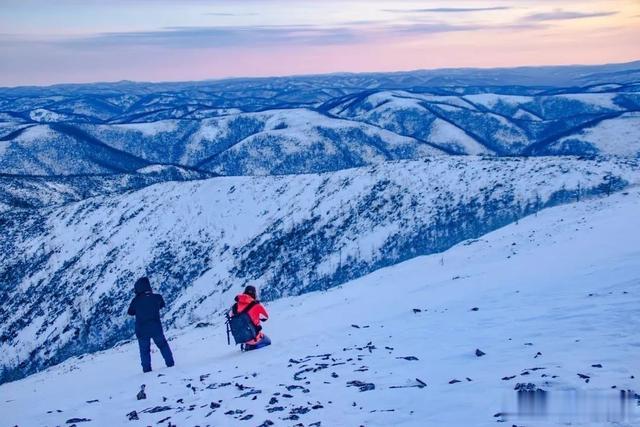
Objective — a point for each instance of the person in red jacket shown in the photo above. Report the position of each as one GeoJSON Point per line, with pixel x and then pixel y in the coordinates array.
{"type": "Point", "coordinates": [257, 313]}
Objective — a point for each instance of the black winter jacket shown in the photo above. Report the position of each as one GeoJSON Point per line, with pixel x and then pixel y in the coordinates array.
{"type": "Point", "coordinates": [146, 307]}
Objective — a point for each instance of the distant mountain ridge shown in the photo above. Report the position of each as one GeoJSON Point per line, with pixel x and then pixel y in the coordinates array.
{"type": "Point", "coordinates": [318, 123]}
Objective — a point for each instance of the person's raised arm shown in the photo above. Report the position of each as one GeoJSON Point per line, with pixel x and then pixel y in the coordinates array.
{"type": "Point", "coordinates": [161, 303]}
{"type": "Point", "coordinates": [132, 308]}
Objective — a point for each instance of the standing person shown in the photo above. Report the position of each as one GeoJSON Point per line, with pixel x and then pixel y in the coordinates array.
{"type": "Point", "coordinates": [146, 307]}
{"type": "Point", "coordinates": [256, 312]}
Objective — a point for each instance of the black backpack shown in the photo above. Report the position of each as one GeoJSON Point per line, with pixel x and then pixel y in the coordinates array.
{"type": "Point", "coordinates": [241, 326]}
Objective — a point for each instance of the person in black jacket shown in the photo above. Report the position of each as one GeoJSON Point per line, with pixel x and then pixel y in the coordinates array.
{"type": "Point", "coordinates": [146, 307]}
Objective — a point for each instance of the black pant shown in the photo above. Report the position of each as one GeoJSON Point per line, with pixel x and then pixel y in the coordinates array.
{"type": "Point", "coordinates": [144, 342]}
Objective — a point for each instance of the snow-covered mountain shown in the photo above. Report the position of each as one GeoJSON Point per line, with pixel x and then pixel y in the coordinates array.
{"type": "Point", "coordinates": [29, 192]}
{"type": "Point", "coordinates": [548, 304]}
{"type": "Point", "coordinates": [318, 123]}
{"type": "Point", "coordinates": [496, 124]}
{"type": "Point", "coordinates": [68, 278]}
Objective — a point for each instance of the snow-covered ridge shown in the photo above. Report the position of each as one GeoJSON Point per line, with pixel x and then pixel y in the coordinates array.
{"type": "Point", "coordinates": [32, 192]}
{"type": "Point", "coordinates": [308, 125]}
{"type": "Point", "coordinates": [201, 241]}
{"type": "Point", "coordinates": [399, 347]}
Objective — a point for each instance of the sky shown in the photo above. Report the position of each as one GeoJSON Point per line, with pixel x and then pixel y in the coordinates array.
{"type": "Point", "coordinates": [63, 41]}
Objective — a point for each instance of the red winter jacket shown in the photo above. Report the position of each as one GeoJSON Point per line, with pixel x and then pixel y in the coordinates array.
{"type": "Point", "coordinates": [256, 313]}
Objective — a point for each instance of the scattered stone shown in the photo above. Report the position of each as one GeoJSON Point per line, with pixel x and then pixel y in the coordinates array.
{"type": "Point", "coordinates": [246, 417]}
{"type": "Point", "coordinates": [93, 401]}
{"type": "Point", "coordinates": [275, 409]}
{"type": "Point", "coordinates": [525, 387]}
{"type": "Point", "coordinates": [480, 353]}
{"type": "Point", "coordinates": [78, 420]}
{"type": "Point", "coordinates": [214, 405]}
{"type": "Point", "coordinates": [296, 387]}
{"type": "Point", "coordinates": [469, 379]}
{"type": "Point", "coordinates": [297, 376]}
{"type": "Point", "coordinates": [597, 365]}
{"type": "Point", "coordinates": [454, 381]}
{"type": "Point", "coordinates": [157, 409]}
{"type": "Point", "coordinates": [508, 378]}
{"type": "Point", "coordinates": [355, 326]}
{"type": "Point", "coordinates": [266, 423]}
{"type": "Point", "coordinates": [250, 393]}
{"type": "Point", "coordinates": [538, 354]}
{"type": "Point", "coordinates": [584, 377]}
{"type": "Point", "coordinates": [417, 310]}
{"type": "Point", "coordinates": [273, 401]}
{"type": "Point", "coordinates": [132, 416]}
{"type": "Point", "coordinates": [475, 309]}
{"type": "Point", "coordinates": [141, 394]}
{"type": "Point", "coordinates": [361, 385]}
{"type": "Point", "coordinates": [410, 358]}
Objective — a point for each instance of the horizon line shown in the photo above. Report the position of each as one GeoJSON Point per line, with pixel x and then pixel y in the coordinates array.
{"type": "Point", "coordinates": [303, 75]}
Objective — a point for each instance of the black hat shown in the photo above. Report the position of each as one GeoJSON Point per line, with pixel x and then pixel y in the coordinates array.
{"type": "Point", "coordinates": [251, 291]}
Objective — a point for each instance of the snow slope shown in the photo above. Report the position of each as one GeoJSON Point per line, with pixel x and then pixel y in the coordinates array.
{"type": "Point", "coordinates": [70, 271]}
{"type": "Point", "coordinates": [618, 136]}
{"type": "Point", "coordinates": [541, 317]}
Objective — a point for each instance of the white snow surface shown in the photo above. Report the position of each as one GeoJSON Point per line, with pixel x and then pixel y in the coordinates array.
{"type": "Point", "coordinates": [619, 136]}
{"type": "Point", "coordinates": [447, 134]}
{"type": "Point", "coordinates": [44, 115]}
{"type": "Point", "coordinates": [149, 129]}
{"type": "Point", "coordinates": [563, 285]}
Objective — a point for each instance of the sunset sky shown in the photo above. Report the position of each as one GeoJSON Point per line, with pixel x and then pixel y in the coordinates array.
{"type": "Point", "coordinates": [44, 42]}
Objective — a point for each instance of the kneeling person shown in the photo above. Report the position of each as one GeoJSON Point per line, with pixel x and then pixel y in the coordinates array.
{"type": "Point", "coordinates": [247, 302]}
